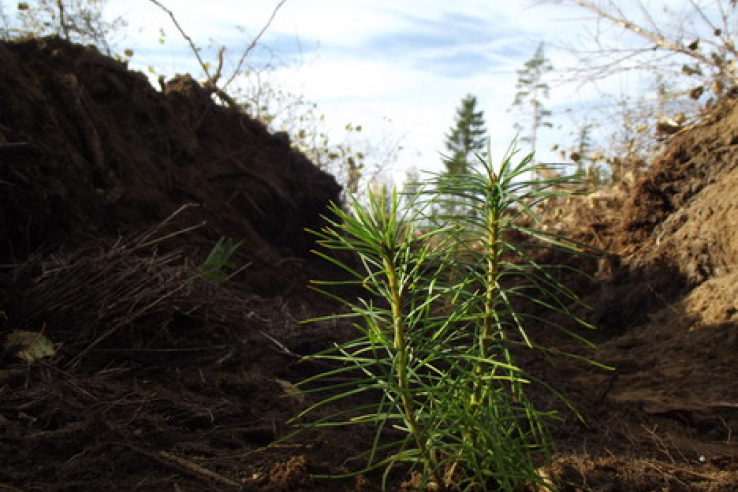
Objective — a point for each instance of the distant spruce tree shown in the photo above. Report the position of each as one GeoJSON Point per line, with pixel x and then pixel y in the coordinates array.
{"type": "Point", "coordinates": [467, 137]}
{"type": "Point", "coordinates": [533, 90]}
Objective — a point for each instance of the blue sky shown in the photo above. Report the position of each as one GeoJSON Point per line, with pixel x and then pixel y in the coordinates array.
{"type": "Point", "coordinates": [397, 67]}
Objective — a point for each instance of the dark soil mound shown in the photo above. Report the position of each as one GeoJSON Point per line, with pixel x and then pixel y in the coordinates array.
{"type": "Point", "coordinates": [90, 149]}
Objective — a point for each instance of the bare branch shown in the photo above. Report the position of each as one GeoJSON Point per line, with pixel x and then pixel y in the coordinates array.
{"type": "Point", "coordinates": [62, 19]}
{"type": "Point", "coordinates": [212, 80]}
{"type": "Point", "coordinates": [193, 47]}
{"type": "Point", "coordinates": [702, 15]}
{"type": "Point", "coordinates": [216, 75]}
{"type": "Point", "coordinates": [211, 83]}
{"type": "Point", "coordinates": [697, 47]}
{"type": "Point", "coordinates": [643, 32]}
{"type": "Point", "coordinates": [252, 45]}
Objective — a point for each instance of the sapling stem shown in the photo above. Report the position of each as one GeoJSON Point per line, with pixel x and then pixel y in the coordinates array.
{"type": "Point", "coordinates": [400, 345]}
{"type": "Point", "coordinates": [490, 249]}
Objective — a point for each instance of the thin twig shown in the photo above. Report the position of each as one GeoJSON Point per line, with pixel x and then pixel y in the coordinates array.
{"type": "Point", "coordinates": [680, 469]}
{"type": "Point", "coordinates": [62, 19]}
{"type": "Point", "coordinates": [125, 321]}
{"type": "Point", "coordinates": [252, 45]}
{"type": "Point", "coordinates": [145, 240]}
{"type": "Point", "coordinates": [280, 346]}
{"type": "Point", "coordinates": [194, 49]}
{"type": "Point", "coordinates": [642, 32]}
{"type": "Point", "coordinates": [12, 146]}
{"type": "Point", "coordinates": [211, 83]}
{"type": "Point", "coordinates": [186, 466]}
{"type": "Point", "coordinates": [212, 80]}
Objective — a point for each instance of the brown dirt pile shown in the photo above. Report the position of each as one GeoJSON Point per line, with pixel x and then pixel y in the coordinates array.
{"type": "Point", "coordinates": [667, 306]}
{"type": "Point", "coordinates": [680, 220]}
{"type": "Point", "coordinates": [90, 149]}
